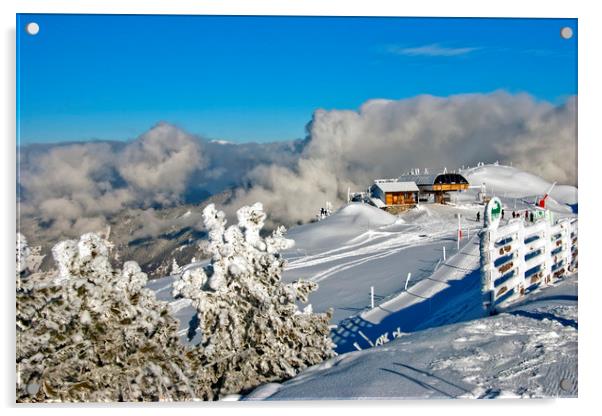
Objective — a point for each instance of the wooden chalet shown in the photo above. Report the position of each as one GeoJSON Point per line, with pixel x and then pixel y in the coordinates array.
{"type": "Point", "coordinates": [393, 195]}
{"type": "Point", "coordinates": [438, 185]}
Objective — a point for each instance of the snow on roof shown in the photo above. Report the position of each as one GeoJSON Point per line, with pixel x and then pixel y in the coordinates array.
{"type": "Point", "coordinates": [426, 179]}
{"type": "Point", "coordinates": [431, 179]}
{"type": "Point", "coordinates": [378, 202]}
{"type": "Point", "coordinates": [397, 186]}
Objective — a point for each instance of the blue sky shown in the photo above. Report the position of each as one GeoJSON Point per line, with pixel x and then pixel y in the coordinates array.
{"type": "Point", "coordinates": [260, 78]}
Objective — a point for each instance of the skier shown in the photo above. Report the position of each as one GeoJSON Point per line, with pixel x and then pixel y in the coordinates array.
{"type": "Point", "coordinates": [531, 216]}
{"type": "Point", "coordinates": [478, 216]}
{"type": "Point", "coordinates": [503, 213]}
{"type": "Point", "coordinates": [526, 215]}
{"type": "Point", "coordinates": [513, 214]}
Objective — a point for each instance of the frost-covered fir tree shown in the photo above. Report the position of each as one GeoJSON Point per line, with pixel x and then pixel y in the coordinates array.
{"type": "Point", "coordinates": [252, 329]}
{"type": "Point", "coordinates": [93, 333]}
{"type": "Point", "coordinates": [29, 258]}
{"type": "Point", "coordinates": [175, 267]}
{"type": "Point", "coordinates": [23, 253]}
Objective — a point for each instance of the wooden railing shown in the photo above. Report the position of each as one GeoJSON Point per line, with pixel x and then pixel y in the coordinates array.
{"type": "Point", "coordinates": [517, 258]}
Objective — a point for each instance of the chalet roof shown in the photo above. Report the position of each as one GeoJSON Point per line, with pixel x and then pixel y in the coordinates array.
{"type": "Point", "coordinates": [431, 179]}
{"type": "Point", "coordinates": [425, 179]}
{"type": "Point", "coordinates": [397, 186]}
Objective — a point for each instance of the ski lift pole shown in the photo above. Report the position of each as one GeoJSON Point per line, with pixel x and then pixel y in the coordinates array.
{"type": "Point", "coordinates": [372, 297]}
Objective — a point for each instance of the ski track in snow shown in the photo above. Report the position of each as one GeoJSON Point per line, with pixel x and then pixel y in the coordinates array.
{"type": "Point", "coordinates": [365, 251]}
{"type": "Point", "coordinates": [374, 244]}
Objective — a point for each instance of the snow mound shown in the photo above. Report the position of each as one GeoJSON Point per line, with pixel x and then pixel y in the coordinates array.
{"type": "Point", "coordinates": [344, 225]}
{"type": "Point", "coordinates": [515, 183]}
{"type": "Point", "coordinates": [357, 213]}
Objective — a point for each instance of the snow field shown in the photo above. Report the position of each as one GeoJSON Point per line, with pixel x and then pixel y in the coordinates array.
{"type": "Point", "coordinates": [445, 346]}
{"type": "Point", "coordinates": [528, 351]}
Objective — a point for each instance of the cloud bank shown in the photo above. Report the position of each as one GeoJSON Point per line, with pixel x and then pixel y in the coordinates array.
{"type": "Point", "coordinates": [386, 138]}
{"type": "Point", "coordinates": [73, 188]}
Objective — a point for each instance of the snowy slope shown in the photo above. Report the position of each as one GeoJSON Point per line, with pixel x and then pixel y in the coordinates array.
{"type": "Point", "coordinates": [509, 182]}
{"type": "Point", "coordinates": [528, 351]}
{"type": "Point", "coordinates": [357, 247]}
{"type": "Point", "coordinates": [361, 246]}
{"type": "Point", "coordinates": [451, 294]}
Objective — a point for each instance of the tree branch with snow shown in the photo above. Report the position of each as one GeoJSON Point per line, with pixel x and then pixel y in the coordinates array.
{"type": "Point", "coordinates": [252, 329]}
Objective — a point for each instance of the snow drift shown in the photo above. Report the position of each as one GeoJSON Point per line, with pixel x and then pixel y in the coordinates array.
{"type": "Point", "coordinates": [510, 182]}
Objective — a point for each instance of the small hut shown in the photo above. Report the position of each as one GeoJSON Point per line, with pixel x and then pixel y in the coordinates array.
{"type": "Point", "coordinates": [393, 195]}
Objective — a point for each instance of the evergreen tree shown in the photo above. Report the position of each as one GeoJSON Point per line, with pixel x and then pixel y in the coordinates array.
{"type": "Point", "coordinates": [252, 329]}
{"type": "Point", "coordinates": [96, 334]}
{"type": "Point", "coordinates": [175, 268]}
{"type": "Point", "coordinates": [89, 332]}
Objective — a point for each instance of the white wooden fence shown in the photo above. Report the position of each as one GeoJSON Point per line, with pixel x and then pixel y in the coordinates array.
{"type": "Point", "coordinates": [517, 258]}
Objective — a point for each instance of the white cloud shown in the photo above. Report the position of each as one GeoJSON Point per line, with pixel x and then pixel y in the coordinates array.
{"type": "Point", "coordinates": [433, 49]}
{"type": "Point", "coordinates": [385, 138]}
{"type": "Point", "coordinates": [159, 163]}
{"type": "Point", "coordinates": [74, 187]}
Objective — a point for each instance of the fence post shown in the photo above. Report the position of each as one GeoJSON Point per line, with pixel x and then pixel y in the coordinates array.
{"type": "Point", "coordinates": [372, 297]}
{"type": "Point", "coordinates": [407, 281]}
{"type": "Point", "coordinates": [487, 289]}
{"type": "Point", "coordinates": [520, 251]}
{"type": "Point", "coordinates": [547, 266]}
{"type": "Point", "coordinates": [570, 245]}
{"type": "Point", "coordinates": [459, 232]}
{"type": "Point", "coordinates": [566, 245]}
{"type": "Point", "coordinates": [574, 245]}
{"type": "Point", "coordinates": [443, 253]}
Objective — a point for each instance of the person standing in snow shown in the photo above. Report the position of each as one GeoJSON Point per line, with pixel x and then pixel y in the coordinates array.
{"type": "Point", "coordinates": [531, 216]}
{"type": "Point", "coordinates": [478, 216]}
{"type": "Point", "coordinates": [503, 213]}
{"type": "Point", "coordinates": [527, 215]}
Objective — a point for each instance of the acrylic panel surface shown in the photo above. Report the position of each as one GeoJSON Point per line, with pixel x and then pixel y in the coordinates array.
{"type": "Point", "coordinates": [425, 170]}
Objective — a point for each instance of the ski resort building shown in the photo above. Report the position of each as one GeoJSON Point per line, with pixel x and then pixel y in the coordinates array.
{"type": "Point", "coordinates": [437, 187]}
{"type": "Point", "coordinates": [393, 195]}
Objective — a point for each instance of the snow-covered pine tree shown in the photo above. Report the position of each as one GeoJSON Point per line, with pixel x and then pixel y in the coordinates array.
{"type": "Point", "coordinates": [175, 267]}
{"type": "Point", "coordinates": [96, 334]}
{"type": "Point", "coordinates": [29, 258]}
{"type": "Point", "coordinates": [23, 253]}
{"type": "Point", "coordinates": [252, 329]}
